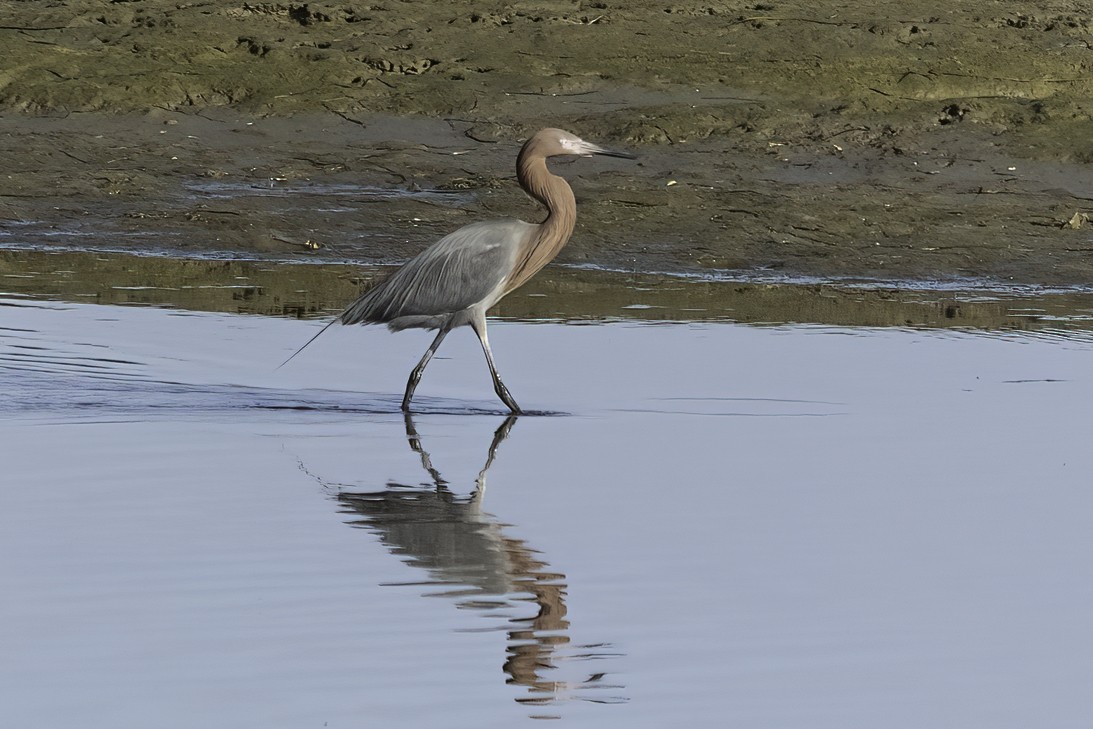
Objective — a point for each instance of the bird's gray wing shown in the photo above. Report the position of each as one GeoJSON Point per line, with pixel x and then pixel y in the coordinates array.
{"type": "Point", "coordinates": [456, 272]}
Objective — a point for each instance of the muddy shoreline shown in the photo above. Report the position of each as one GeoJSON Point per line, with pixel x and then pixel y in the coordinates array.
{"type": "Point", "coordinates": [573, 295]}
{"type": "Point", "coordinates": [919, 143]}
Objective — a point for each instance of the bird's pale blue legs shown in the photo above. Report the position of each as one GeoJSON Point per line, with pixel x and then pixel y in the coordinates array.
{"type": "Point", "coordinates": [415, 376]}
{"type": "Point", "coordinates": [479, 324]}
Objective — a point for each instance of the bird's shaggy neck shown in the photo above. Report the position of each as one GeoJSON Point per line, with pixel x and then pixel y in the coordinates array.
{"type": "Point", "coordinates": [554, 232]}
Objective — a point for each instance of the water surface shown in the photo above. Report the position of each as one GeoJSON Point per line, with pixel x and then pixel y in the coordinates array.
{"type": "Point", "coordinates": [719, 524]}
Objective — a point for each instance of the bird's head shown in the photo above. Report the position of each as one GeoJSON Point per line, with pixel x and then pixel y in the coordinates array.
{"type": "Point", "coordinates": [558, 142]}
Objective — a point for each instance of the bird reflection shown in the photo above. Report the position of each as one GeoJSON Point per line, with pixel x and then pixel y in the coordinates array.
{"type": "Point", "coordinates": [460, 545]}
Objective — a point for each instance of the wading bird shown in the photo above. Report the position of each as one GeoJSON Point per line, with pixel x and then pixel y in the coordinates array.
{"type": "Point", "coordinates": [457, 279]}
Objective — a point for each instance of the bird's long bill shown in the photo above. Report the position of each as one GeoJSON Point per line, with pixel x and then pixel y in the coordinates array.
{"type": "Point", "coordinates": [613, 153]}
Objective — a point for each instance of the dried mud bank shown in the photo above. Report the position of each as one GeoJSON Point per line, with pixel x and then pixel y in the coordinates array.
{"type": "Point", "coordinates": [926, 142]}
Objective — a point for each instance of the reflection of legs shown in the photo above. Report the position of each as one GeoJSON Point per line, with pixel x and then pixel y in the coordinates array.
{"type": "Point", "coordinates": [414, 439]}
{"type": "Point", "coordinates": [415, 376]}
{"type": "Point", "coordinates": [499, 436]}
{"type": "Point", "coordinates": [479, 324]}
{"type": "Point", "coordinates": [415, 445]}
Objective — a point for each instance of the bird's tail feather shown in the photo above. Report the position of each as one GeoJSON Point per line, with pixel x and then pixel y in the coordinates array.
{"type": "Point", "coordinates": [301, 349]}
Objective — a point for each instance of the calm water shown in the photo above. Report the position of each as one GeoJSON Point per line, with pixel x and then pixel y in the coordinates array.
{"type": "Point", "coordinates": [722, 525]}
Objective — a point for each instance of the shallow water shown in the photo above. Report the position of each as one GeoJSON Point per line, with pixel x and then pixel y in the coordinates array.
{"type": "Point", "coordinates": [718, 524]}
{"type": "Point", "coordinates": [320, 288]}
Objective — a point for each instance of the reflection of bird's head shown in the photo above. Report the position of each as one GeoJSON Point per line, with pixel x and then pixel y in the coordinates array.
{"type": "Point", "coordinates": [558, 142]}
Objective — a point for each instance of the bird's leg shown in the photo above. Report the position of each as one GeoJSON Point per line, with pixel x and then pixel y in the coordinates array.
{"type": "Point", "coordinates": [479, 324]}
{"type": "Point", "coordinates": [415, 376]}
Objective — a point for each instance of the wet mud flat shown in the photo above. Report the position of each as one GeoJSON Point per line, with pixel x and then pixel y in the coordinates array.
{"type": "Point", "coordinates": [890, 142]}
{"type": "Point", "coordinates": [823, 525]}
{"type": "Point", "coordinates": [952, 204]}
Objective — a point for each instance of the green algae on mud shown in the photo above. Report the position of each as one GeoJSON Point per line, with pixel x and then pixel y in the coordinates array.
{"type": "Point", "coordinates": [911, 141]}
{"type": "Point", "coordinates": [1025, 64]}
{"type": "Point", "coordinates": [557, 294]}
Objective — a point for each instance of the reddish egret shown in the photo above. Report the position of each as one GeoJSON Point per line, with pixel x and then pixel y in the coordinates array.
{"type": "Point", "coordinates": [457, 279]}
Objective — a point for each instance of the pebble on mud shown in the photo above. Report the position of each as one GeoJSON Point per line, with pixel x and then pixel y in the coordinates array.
{"type": "Point", "coordinates": [1077, 221]}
